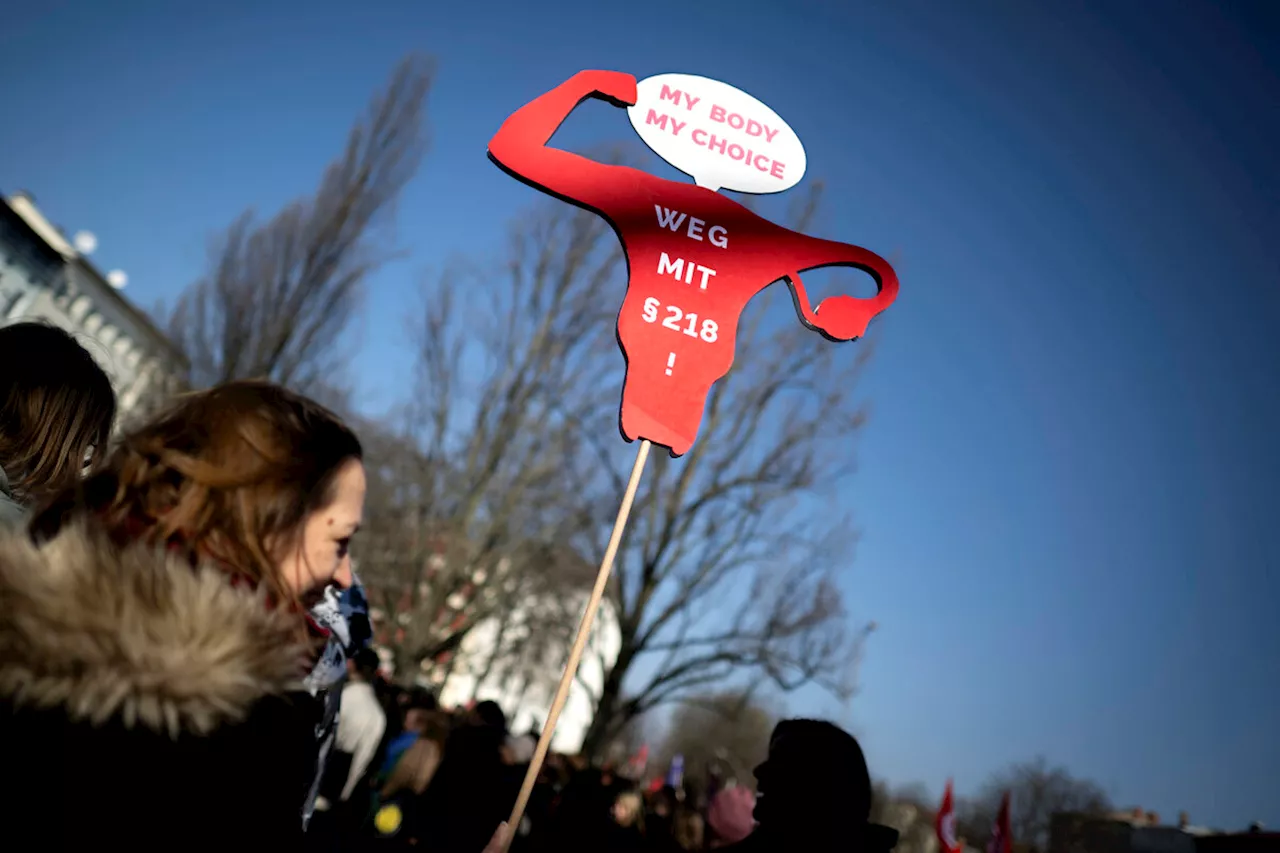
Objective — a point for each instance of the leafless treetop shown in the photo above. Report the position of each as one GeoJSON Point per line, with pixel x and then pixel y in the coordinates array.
{"type": "Point", "coordinates": [279, 295]}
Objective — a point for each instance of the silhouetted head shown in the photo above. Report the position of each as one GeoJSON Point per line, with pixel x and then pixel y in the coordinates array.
{"type": "Point", "coordinates": [815, 774]}
{"type": "Point", "coordinates": [628, 809]}
{"type": "Point", "coordinates": [663, 801]}
{"type": "Point", "coordinates": [364, 665]}
{"type": "Point", "coordinates": [56, 410]}
{"type": "Point", "coordinates": [419, 698]}
{"type": "Point", "coordinates": [422, 712]}
{"type": "Point", "coordinates": [489, 715]}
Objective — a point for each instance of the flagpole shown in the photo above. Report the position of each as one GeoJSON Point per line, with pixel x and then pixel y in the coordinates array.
{"type": "Point", "coordinates": [579, 645]}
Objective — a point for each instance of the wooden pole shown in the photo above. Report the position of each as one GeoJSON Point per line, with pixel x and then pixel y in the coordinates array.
{"type": "Point", "coordinates": [579, 644]}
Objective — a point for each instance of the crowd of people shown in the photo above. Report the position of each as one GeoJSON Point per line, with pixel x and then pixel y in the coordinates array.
{"type": "Point", "coordinates": [407, 773]}
{"type": "Point", "coordinates": [185, 658]}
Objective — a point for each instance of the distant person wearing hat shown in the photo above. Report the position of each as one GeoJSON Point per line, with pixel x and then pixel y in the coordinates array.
{"type": "Point", "coordinates": [814, 794]}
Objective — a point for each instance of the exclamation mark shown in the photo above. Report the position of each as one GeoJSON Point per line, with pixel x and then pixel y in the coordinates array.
{"type": "Point", "coordinates": [671, 362]}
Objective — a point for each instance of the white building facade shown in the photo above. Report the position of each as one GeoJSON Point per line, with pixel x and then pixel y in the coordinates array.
{"type": "Point", "coordinates": [508, 661]}
{"type": "Point", "coordinates": [44, 277]}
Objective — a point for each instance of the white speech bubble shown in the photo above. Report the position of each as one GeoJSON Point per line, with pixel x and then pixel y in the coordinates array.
{"type": "Point", "coordinates": [720, 136]}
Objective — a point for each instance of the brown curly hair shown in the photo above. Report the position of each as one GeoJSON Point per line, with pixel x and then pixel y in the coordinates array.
{"type": "Point", "coordinates": [56, 409]}
{"type": "Point", "coordinates": [229, 475]}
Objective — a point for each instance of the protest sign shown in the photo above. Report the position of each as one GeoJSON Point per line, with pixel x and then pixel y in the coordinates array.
{"type": "Point", "coordinates": [695, 258]}
{"type": "Point", "coordinates": [720, 136]}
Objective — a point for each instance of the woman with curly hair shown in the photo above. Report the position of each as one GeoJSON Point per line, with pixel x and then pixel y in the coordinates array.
{"type": "Point", "coordinates": [157, 644]}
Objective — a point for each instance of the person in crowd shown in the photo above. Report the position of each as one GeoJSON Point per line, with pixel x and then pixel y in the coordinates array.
{"type": "Point", "coordinates": [814, 793]}
{"type": "Point", "coordinates": [517, 754]}
{"type": "Point", "coordinates": [661, 820]}
{"type": "Point", "coordinates": [56, 412]}
{"type": "Point", "coordinates": [396, 701]}
{"type": "Point", "coordinates": [389, 694]}
{"type": "Point", "coordinates": [674, 823]}
{"type": "Point", "coordinates": [729, 816]}
{"type": "Point", "coordinates": [628, 834]}
{"type": "Point", "coordinates": [689, 829]}
{"type": "Point", "coordinates": [715, 780]}
{"type": "Point", "coordinates": [540, 812]}
{"type": "Point", "coordinates": [156, 634]}
{"type": "Point", "coordinates": [339, 811]}
{"type": "Point", "coordinates": [520, 749]}
{"type": "Point", "coordinates": [418, 698]}
{"type": "Point", "coordinates": [421, 720]}
{"type": "Point", "coordinates": [411, 760]}
{"type": "Point", "coordinates": [582, 820]}
{"type": "Point", "coordinates": [471, 791]}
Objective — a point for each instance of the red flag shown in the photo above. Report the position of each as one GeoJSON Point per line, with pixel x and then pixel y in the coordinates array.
{"type": "Point", "coordinates": [1001, 836]}
{"type": "Point", "coordinates": [638, 762]}
{"type": "Point", "coordinates": [945, 824]}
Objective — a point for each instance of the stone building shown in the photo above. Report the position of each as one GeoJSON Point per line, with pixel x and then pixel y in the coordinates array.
{"type": "Point", "coordinates": [43, 276]}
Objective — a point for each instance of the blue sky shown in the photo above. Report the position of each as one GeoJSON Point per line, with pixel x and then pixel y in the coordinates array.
{"type": "Point", "coordinates": [1069, 486]}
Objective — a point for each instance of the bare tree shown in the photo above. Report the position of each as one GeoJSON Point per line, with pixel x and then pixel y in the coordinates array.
{"type": "Point", "coordinates": [484, 509]}
{"type": "Point", "coordinates": [430, 585]}
{"type": "Point", "coordinates": [724, 731]}
{"type": "Point", "coordinates": [1038, 791]}
{"type": "Point", "coordinates": [279, 295]}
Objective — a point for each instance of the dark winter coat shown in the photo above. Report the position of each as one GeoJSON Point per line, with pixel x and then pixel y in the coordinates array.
{"type": "Point", "coordinates": [144, 704]}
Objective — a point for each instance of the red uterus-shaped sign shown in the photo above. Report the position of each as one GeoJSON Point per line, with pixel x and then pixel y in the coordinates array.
{"type": "Point", "coordinates": [696, 257]}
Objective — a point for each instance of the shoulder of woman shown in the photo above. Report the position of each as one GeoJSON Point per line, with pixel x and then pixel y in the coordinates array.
{"type": "Point", "coordinates": [135, 636]}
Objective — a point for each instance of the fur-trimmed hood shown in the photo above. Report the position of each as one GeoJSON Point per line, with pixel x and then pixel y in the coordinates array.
{"type": "Point", "coordinates": [134, 635]}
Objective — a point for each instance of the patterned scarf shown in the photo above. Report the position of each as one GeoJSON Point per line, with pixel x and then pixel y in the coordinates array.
{"type": "Point", "coordinates": [340, 621]}
{"type": "Point", "coordinates": [343, 616]}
